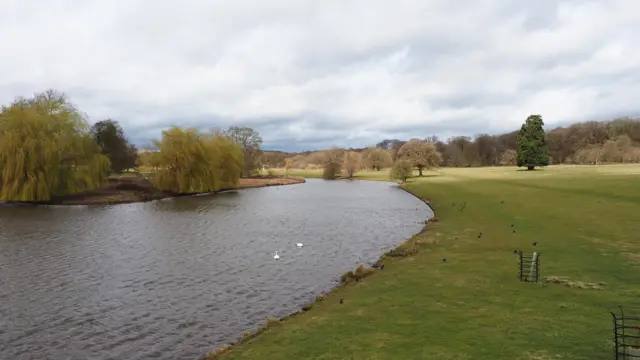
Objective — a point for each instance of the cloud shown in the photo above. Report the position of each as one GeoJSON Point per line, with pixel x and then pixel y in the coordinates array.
{"type": "Point", "coordinates": [309, 74]}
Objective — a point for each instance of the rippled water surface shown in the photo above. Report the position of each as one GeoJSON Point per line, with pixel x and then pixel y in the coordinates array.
{"type": "Point", "coordinates": [172, 279]}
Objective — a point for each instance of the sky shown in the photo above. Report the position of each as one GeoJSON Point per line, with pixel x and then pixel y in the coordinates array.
{"type": "Point", "coordinates": [315, 74]}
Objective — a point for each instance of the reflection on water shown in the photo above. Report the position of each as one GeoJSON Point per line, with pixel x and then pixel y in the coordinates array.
{"type": "Point", "coordinates": [172, 279]}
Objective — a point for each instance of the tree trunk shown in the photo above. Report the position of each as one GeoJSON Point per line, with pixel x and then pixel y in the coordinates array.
{"type": "Point", "coordinates": [419, 171]}
{"type": "Point", "coordinates": [530, 168]}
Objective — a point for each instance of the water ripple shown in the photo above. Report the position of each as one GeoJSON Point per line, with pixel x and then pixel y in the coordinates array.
{"type": "Point", "coordinates": [172, 279]}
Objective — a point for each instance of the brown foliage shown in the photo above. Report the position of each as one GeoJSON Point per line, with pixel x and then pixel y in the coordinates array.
{"type": "Point", "coordinates": [332, 163]}
{"type": "Point", "coordinates": [350, 164]}
{"type": "Point", "coordinates": [581, 143]}
{"type": "Point", "coordinates": [402, 170]}
{"type": "Point", "coordinates": [375, 159]}
{"type": "Point", "coordinates": [508, 157]}
{"type": "Point", "coordinates": [422, 154]}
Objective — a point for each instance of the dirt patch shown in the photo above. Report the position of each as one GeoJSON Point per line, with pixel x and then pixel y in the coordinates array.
{"type": "Point", "coordinates": [246, 183]}
{"type": "Point", "coordinates": [568, 282]}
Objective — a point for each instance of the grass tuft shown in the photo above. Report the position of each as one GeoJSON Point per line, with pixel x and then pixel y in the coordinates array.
{"type": "Point", "coordinates": [406, 249]}
{"type": "Point", "coordinates": [361, 272]}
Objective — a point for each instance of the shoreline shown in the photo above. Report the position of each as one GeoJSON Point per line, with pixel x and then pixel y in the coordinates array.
{"type": "Point", "coordinates": [139, 190]}
{"type": "Point", "coordinates": [216, 353]}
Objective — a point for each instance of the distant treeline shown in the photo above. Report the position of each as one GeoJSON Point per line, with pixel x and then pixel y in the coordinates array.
{"type": "Point", "coordinates": [616, 141]}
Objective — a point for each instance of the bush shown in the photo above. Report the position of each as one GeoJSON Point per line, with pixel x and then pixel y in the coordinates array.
{"type": "Point", "coordinates": [401, 170]}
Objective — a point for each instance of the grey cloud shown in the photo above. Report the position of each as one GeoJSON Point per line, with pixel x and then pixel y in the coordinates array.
{"type": "Point", "coordinates": [329, 73]}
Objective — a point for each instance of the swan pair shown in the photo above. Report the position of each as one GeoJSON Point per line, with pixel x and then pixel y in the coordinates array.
{"type": "Point", "coordinates": [276, 256]}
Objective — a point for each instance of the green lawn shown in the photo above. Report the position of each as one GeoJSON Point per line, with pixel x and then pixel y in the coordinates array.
{"type": "Point", "coordinates": [586, 221]}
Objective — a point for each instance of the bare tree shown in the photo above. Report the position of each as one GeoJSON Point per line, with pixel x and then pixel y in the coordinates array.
{"type": "Point", "coordinates": [288, 163]}
{"type": "Point", "coordinates": [332, 165]}
{"type": "Point", "coordinates": [350, 164]}
{"type": "Point", "coordinates": [375, 158]}
{"type": "Point", "coordinates": [250, 141]}
{"type": "Point", "coordinates": [421, 154]}
{"type": "Point", "coordinates": [508, 157]}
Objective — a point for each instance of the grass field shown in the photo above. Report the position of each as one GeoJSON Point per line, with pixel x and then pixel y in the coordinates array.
{"type": "Point", "coordinates": [585, 220]}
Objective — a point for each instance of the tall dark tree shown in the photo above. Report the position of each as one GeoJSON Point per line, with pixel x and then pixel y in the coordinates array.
{"type": "Point", "coordinates": [110, 136]}
{"type": "Point", "coordinates": [531, 144]}
{"type": "Point", "coordinates": [250, 141]}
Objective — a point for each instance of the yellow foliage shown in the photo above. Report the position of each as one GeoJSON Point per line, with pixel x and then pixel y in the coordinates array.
{"type": "Point", "coordinates": [46, 150]}
{"type": "Point", "coordinates": [192, 162]}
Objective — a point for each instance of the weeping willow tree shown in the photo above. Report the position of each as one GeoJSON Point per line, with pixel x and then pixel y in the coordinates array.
{"type": "Point", "coordinates": [231, 160]}
{"type": "Point", "coordinates": [46, 150]}
{"type": "Point", "coordinates": [194, 162]}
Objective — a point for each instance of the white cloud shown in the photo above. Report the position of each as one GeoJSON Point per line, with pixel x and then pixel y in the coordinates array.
{"type": "Point", "coordinates": [322, 73]}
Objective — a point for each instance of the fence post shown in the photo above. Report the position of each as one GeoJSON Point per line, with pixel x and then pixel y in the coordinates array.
{"type": "Point", "coordinates": [521, 265]}
{"type": "Point", "coordinates": [534, 258]}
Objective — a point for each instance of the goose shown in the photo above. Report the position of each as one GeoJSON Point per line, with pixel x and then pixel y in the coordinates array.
{"type": "Point", "coordinates": [276, 256]}
{"type": "Point", "coordinates": [299, 244]}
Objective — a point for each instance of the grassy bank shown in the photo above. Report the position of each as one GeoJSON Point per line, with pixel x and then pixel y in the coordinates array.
{"type": "Point", "coordinates": [473, 306]}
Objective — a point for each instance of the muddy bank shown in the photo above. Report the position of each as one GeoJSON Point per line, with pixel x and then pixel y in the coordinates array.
{"type": "Point", "coordinates": [256, 182]}
{"type": "Point", "coordinates": [139, 189]}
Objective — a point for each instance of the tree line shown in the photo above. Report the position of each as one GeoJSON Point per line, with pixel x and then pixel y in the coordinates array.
{"type": "Point", "coordinates": [530, 147]}
{"type": "Point", "coordinates": [48, 148]}
{"type": "Point", "coordinates": [592, 142]}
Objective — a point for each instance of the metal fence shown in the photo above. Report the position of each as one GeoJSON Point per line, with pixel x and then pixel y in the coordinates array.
{"type": "Point", "coordinates": [529, 267]}
{"type": "Point", "coordinates": [626, 334]}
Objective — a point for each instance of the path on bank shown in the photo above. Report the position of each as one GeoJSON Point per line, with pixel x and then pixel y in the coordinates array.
{"type": "Point", "coordinates": [472, 306]}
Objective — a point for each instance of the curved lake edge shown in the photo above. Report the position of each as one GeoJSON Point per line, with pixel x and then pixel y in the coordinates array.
{"type": "Point", "coordinates": [115, 196]}
{"type": "Point", "coordinates": [273, 322]}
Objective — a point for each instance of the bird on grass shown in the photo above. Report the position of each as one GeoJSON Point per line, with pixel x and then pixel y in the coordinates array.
{"type": "Point", "coordinates": [479, 235]}
{"type": "Point", "coordinates": [514, 231]}
{"type": "Point", "coordinates": [512, 225]}
{"type": "Point", "coordinates": [535, 243]}
{"type": "Point", "coordinates": [444, 260]}
{"type": "Point", "coordinates": [502, 202]}
{"type": "Point", "coordinates": [276, 256]}
{"type": "Point", "coordinates": [341, 300]}
{"type": "Point", "coordinates": [299, 244]}
{"type": "Point", "coordinates": [515, 251]}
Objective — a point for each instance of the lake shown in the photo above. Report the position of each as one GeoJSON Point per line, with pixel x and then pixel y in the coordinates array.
{"type": "Point", "coordinates": [172, 279]}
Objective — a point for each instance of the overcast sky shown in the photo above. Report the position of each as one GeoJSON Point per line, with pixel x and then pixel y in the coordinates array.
{"type": "Point", "coordinates": [313, 74]}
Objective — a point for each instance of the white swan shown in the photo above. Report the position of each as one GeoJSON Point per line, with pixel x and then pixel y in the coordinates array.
{"type": "Point", "coordinates": [276, 256]}
{"type": "Point", "coordinates": [299, 244]}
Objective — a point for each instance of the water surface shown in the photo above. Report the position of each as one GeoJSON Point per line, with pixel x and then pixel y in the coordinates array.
{"type": "Point", "coordinates": [172, 279]}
